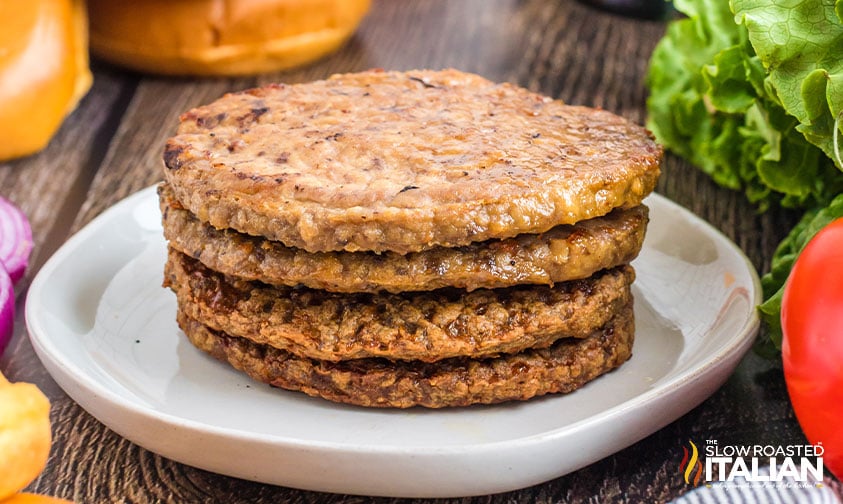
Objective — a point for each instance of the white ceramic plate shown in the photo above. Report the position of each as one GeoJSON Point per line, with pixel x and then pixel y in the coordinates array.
{"type": "Point", "coordinates": [105, 330]}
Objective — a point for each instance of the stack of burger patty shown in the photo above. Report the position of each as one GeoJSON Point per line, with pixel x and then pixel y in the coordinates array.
{"type": "Point", "coordinates": [394, 239]}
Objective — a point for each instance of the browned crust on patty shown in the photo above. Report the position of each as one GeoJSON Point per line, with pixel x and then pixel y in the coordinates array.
{"type": "Point", "coordinates": [426, 326]}
{"type": "Point", "coordinates": [568, 252]}
{"type": "Point", "coordinates": [404, 161]}
{"type": "Point", "coordinates": [562, 368]}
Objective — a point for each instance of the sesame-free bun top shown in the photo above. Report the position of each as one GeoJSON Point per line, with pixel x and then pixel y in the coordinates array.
{"type": "Point", "coordinates": [220, 37]}
{"type": "Point", "coordinates": [403, 161]}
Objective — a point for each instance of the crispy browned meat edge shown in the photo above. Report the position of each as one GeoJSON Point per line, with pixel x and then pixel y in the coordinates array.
{"type": "Point", "coordinates": [427, 326]}
{"type": "Point", "coordinates": [562, 368]}
{"type": "Point", "coordinates": [563, 253]}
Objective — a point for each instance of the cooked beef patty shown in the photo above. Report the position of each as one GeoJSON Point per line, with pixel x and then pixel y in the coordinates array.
{"type": "Point", "coordinates": [397, 239]}
{"type": "Point", "coordinates": [425, 326]}
{"type": "Point", "coordinates": [404, 161]}
{"type": "Point", "coordinates": [564, 367]}
{"type": "Point", "coordinates": [567, 252]}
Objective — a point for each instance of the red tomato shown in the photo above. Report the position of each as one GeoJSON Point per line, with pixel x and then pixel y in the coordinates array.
{"type": "Point", "coordinates": [812, 349]}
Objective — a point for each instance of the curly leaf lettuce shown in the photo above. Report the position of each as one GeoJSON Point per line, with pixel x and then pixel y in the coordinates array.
{"type": "Point", "coordinates": [677, 112]}
{"type": "Point", "coordinates": [752, 94]}
{"type": "Point", "coordinates": [800, 44]}
{"type": "Point", "coordinates": [717, 102]}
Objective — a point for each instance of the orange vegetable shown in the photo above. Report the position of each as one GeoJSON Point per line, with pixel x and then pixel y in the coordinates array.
{"type": "Point", "coordinates": [43, 70]}
{"type": "Point", "coordinates": [28, 498]}
{"type": "Point", "coordinates": [24, 435]}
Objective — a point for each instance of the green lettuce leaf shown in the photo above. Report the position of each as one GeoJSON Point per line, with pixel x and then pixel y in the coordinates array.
{"type": "Point", "coordinates": [786, 253]}
{"type": "Point", "coordinates": [713, 102]}
{"type": "Point", "coordinates": [800, 44]}
{"type": "Point", "coordinates": [752, 93]}
{"type": "Point", "coordinates": [677, 113]}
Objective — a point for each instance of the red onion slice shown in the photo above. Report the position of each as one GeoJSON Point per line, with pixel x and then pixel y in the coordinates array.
{"type": "Point", "coordinates": [15, 240]}
{"type": "Point", "coordinates": [7, 309]}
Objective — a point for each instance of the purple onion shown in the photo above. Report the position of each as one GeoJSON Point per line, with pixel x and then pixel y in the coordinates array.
{"type": "Point", "coordinates": [7, 309]}
{"type": "Point", "coordinates": [15, 240]}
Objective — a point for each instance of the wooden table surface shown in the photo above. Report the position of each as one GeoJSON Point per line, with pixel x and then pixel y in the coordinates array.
{"type": "Point", "coordinates": [111, 146]}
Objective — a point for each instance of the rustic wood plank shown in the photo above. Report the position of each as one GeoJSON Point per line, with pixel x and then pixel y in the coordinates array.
{"type": "Point", "coordinates": [559, 47]}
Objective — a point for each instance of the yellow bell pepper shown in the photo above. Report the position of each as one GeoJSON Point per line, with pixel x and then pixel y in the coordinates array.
{"type": "Point", "coordinates": [24, 435]}
{"type": "Point", "coordinates": [43, 70]}
{"type": "Point", "coordinates": [28, 498]}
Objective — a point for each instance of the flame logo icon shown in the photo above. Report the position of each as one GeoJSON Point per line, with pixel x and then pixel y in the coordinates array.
{"type": "Point", "coordinates": [691, 465]}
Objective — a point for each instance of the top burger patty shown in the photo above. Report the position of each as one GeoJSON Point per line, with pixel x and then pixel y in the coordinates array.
{"type": "Point", "coordinates": [403, 162]}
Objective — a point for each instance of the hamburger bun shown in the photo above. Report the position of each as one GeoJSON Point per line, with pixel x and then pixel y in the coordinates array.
{"type": "Point", "coordinates": [220, 37]}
